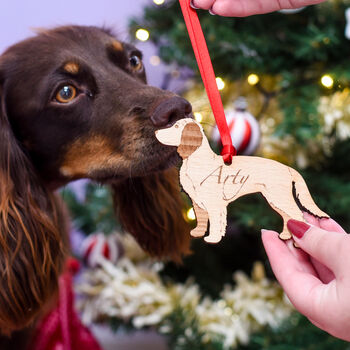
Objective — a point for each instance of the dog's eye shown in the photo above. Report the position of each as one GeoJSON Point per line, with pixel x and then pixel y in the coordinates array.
{"type": "Point", "coordinates": [135, 63]}
{"type": "Point", "coordinates": [66, 94]}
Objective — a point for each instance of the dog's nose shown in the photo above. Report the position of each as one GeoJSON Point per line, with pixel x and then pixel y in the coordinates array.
{"type": "Point", "coordinates": [170, 110]}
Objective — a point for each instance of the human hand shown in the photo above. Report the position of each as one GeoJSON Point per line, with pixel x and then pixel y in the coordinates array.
{"type": "Point", "coordinates": [316, 278]}
{"type": "Point", "coordinates": [242, 8]}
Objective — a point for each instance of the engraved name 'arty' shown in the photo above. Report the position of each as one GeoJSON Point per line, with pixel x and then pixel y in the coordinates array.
{"type": "Point", "coordinates": [235, 178]}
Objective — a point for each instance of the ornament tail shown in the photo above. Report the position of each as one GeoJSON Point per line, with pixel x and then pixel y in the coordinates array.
{"type": "Point", "coordinates": [303, 197]}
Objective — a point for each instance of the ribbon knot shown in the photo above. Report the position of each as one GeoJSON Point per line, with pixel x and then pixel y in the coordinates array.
{"type": "Point", "coordinates": [228, 151]}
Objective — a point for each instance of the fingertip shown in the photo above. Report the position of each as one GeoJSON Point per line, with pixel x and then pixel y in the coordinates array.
{"type": "Point", "coordinates": [325, 246]}
{"type": "Point", "coordinates": [228, 8]}
{"type": "Point", "coordinates": [297, 228]}
{"type": "Point", "coordinates": [273, 245]}
{"type": "Point", "coordinates": [329, 224]}
{"type": "Point", "coordinates": [202, 4]}
{"type": "Point", "coordinates": [311, 219]}
{"type": "Point", "coordinates": [267, 235]}
{"type": "Point", "coordinates": [192, 4]}
{"type": "Point", "coordinates": [264, 231]}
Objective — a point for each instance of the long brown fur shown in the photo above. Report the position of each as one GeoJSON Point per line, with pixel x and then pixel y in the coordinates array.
{"type": "Point", "coordinates": [31, 245]}
{"type": "Point", "coordinates": [150, 208]}
{"type": "Point", "coordinates": [38, 135]}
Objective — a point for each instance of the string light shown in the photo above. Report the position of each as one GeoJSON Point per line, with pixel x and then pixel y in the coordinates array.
{"type": "Point", "coordinates": [253, 79]}
{"type": "Point", "coordinates": [159, 2]}
{"type": "Point", "coordinates": [142, 34]}
{"type": "Point", "coordinates": [190, 214]}
{"type": "Point", "coordinates": [220, 83]}
{"type": "Point", "coordinates": [327, 81]}
{"type": "Point", "coordinates": [198, 116]}
{"type": "Point", "coordinates": [154, 60]}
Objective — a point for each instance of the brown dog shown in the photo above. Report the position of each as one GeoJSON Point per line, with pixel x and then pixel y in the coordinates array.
{"type": "Point", "coordinates": [75, 104]}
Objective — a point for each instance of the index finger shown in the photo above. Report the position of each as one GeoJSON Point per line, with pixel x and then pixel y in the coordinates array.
{"type": "Point", "coordinates": [328, 247]}
{"type": "Point", "coordinates": [327, 224]}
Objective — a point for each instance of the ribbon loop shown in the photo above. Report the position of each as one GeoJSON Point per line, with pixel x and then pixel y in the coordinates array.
{"type": "Point", "coordinates": [208, 76]}
{"type": "Point", "coordinates": [228, 151]}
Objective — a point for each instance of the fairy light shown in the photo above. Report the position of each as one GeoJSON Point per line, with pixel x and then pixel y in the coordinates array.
{"type": "Point", "coordinates": [198, 116]}
{"type": "Point", "coordinates": [190, 214]}
{"type": "Point", "coordinates": [155, 60]}
{"type": "Point", "coordinates": [220, 83]}
{"type": "Point", "coordinates": [327, 81]}
{"type": "Point", "coordinates": [253, 79]}
{"type": "Point", "coordinates": [159, 2]}
{"type": "Point", "coordinates": [142, 34]}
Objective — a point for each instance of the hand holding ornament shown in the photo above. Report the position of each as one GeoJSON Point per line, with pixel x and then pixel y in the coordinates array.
{"type": "Point", "coordinates": [243, 8]}
{"type": "Point", "coordinates": [316, 277]}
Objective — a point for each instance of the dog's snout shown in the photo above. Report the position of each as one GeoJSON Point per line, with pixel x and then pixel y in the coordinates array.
{"type": "Point", "coordinates": [170, 111]}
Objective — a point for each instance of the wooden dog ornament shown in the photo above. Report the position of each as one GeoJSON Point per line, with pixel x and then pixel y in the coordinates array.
{"type": "Point", "coordinates": [212, 184]}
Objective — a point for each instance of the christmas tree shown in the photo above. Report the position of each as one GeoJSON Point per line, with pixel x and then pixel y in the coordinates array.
{"type": "Point", "coordinates": [293, 70]}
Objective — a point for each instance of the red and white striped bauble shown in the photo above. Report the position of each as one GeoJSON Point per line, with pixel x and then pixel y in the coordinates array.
{"type": "Point", "coordinates": [98, 246]}
{"type": "Point", "coordinates": [244, 128]}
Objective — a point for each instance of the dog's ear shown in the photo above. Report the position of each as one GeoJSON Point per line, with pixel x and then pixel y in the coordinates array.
{"type": "Point", "coordinates": [31, 247]}
{"type": "Point", "coordinates": [191, 139]}
{"type": "Point", "coordinates": [151, 209]}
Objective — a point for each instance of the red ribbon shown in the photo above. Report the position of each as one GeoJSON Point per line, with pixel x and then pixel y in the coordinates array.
{"type": "Point", "coordinates": [208, 76]}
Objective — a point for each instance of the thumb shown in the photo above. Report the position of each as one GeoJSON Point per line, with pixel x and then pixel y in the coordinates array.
{"type": "Point", "coordinates": [328, 247]}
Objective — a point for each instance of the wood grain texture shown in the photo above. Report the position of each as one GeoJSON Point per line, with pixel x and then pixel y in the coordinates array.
{"type": "Point", "coordinates": [212, 184]}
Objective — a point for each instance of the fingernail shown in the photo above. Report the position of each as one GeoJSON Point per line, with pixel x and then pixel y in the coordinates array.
{"type": "Point", "coordinates": [212, 12]}
{"type": "Point", "coordinates": [192, 5]}
{"type": "Point", "coordinates": [297, 228]}
{"type": "Point", "coordinates": [263, 231]}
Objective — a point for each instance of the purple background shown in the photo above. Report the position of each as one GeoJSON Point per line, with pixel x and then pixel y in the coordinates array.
{"type": "Point", "coordinates": [18, 18]}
